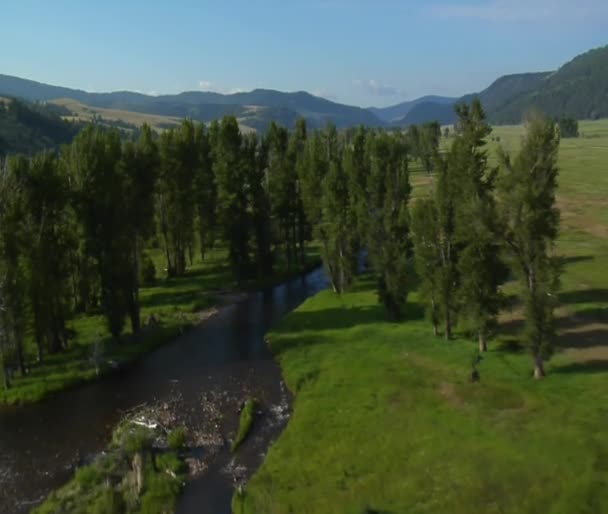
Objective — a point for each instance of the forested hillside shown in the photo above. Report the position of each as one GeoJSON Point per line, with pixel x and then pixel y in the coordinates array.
{"type": "Point", "coordinates": [579, 89]}
{"type": "Point", "coordinates": [28, 128]}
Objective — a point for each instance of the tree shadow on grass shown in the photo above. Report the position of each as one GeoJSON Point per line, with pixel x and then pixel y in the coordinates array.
{"type": "Point", "coordinates": [573, 259]}
{"type": "Point", "coordinates": [584, 296]}
{"type": "Point", "coordinates": [591, 366]}
{"type": "Point", "coordinates": [333, 318]}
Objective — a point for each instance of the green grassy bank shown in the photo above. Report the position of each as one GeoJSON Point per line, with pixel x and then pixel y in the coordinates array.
{"type": "Point", "coordinates": [386, 419]}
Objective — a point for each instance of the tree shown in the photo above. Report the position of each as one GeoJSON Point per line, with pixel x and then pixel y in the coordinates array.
{"type": "Point", "coordinates": [255, 161]}
{"type": "Point", "coordinates": [480, 268]}
{"type": "Point", "coordinates": [12, 266]}
{"type": "Point", "coordinates": [568, 127]}
{"type": "Point", "coordinates": [427, 250]}
{"type": "Point", "coordinates": [47, 245]}
{"type": "Point", "coordinates": [428, 144]}
{"type": "Point", "coordinates": [281, 182]}
{"type": "Point", "coordinates": [527, 188]}
{"type": "Point", "coordinates": [94, 164]}
{"type": "Point", "coordinates": [179, 157]}
{"type": "Point", "coordinates": [231, 179]}
{"type": "Point", "coordinates": [388, 230]}
{"type": "Point", "coordinates": [358, 169]}
{"type": "Point", "coordinates": [339, 240]}
{"type": "Point", "coordinates": [295, 152]}
{"type": "Point", "coordinates": [206, 193]}
{"type": "Point", "coordinates": [140, 165]}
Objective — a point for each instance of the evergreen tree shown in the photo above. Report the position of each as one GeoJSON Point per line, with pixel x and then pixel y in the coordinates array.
{"type": "Point", "coordinates": [140, 165]}
{"type": "Point", "coordinates": [426, 236]}
{"type": "Point", "coordinates": [479, 265]}
{"type": "Point", "coordinates": [388, 232]}
{"type": "Point", "coordinates": [180, 160]}
{"type": "Point", "coordinates": [94, 163]}
{"type": "Point", "coordinates": [527, 188]}
{"type": "Point", "coordinates": [339, 240]}
{"type": "Point", "coordinates": [231, 179]}
{"type": "Point", "coordinates": [47, 246]}
{"type": "Point", "coordinates": [296, 156]}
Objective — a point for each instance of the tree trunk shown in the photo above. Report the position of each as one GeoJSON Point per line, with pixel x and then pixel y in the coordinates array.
{"type": "Point", "coordinates": [134, 294]}
{"type": "Point", "coordinates": [483, 343]}
{"type": "Point", "coordinates": [21, 358]}
{"type": "Point", "coordinates": [539, 369]}
{"type": "Point", "coordinates": [342, 279]}
{"type": "Point", "coordinates": [448, 325]}
{"type": "Point", "coordinates": [7, 378]}
{"type": "Point", "coordinates": [434, 318]}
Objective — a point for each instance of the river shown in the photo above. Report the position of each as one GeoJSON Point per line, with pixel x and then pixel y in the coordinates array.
{"type": "Point", "coordinates": [226, 355]}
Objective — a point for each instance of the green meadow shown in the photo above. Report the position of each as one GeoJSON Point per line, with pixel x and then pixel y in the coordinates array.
{"type": "Point", "coordinates": [386, 419]}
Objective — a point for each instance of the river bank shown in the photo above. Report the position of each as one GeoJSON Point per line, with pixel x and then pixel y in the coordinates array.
{"type": "Point", "coordinates": [386, 418]}
{"type": "Point", "coordinates": [217, 363]}
{"type": "Point", "coordinates": [169, 308]}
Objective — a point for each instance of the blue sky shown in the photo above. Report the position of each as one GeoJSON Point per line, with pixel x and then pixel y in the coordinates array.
{"type": "Point", "coordinates": [360, 52]}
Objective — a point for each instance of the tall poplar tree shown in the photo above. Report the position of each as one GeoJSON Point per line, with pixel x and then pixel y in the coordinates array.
{"type": "Point", "coordinates": [527, 189]}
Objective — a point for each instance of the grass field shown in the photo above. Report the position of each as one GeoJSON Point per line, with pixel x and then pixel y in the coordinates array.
{"type": "Point", "coordinates": [385, 417]}
{"type": "Point", "coordinates": [176, 304]}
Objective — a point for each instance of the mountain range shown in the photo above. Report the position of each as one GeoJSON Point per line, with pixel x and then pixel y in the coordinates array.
{"type": "Point", "coordinates": [578, 89]}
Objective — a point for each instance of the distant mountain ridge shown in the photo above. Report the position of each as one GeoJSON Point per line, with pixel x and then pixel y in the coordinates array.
{"type": "Point", "coordinates": [578, 89]}
{"type": "Point", "coordinates": [394, 113]}
{"type": "Point", "coordinates": [282, 107]}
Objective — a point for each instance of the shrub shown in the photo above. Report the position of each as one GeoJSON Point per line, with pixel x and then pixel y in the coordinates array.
{"type": "Point", "coordinates": [245, 423]}
{"type": "Point", "coordinates": [88, 476]}
{"type": "Point", "coordinates": [147, 270]}
{"type": "Point", "coordinates": [177, 438]}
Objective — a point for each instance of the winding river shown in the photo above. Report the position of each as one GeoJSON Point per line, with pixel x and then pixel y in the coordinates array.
{"type": "Point", "coordinates": [226, 355]}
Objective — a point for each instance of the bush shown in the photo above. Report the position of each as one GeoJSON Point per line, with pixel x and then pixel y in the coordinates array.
{"type": "Point", "coordinates": [170, 462]}
{"type": "Point", "coordinates": [136, 440]}
{"type": "Point", "coordinates": [147, 270]}
{"type": "Point", "coordinates": [88, 476]}
{"type": "Point", "coordinates": [177, 438]}
{"type": "Point", "coordinates": [109, 502]}
{"type": "Point", "coordinates": [245, 423]}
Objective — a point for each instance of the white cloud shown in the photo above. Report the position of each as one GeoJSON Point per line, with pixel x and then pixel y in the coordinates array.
{"type": "Point", "coordinates": [212, 87]}
{"type": "Point", "coordinates": [522, 10]}
{"type": "Point", "coordinates": [321, 93]}
{"type": "Point", "coordinates": [373, 87]}
{"type": "Point", "coordinates": [206, 85]}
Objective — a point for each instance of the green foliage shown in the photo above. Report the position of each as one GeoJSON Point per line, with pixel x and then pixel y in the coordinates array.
{"type": "Point", "coordinates": [568, 127]}
{"type": "Point", "coordinates": [147, 270]}
{"type": "Point", "coordinates": [388, 241]}
{"type": "Point", "coordinates": [527, 191]}
{"type": "Point", "coordinates": [177, 438]}
{"type": "Point", "coordinates": [246, 420]}
{"type": "Point", "coordinates": [29, 128]}
{"type": "Point", "coordinates": [107, 485]}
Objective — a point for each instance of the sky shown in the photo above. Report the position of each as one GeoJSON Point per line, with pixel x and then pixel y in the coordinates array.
{"type": "Point", "coordinates": [360, 52]}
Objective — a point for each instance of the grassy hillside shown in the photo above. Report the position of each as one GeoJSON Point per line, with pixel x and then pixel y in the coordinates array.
{"type": "Point", "coordinates": [80, 112]}
{"type": "Point", "coordinates": [385, 417]}
{"type": "Point", "coordinates": [85, 113]}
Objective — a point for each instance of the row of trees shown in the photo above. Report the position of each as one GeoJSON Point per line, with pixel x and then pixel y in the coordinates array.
{"type": "Point", "coordinates": [481, 226]}
{"type": "Point", "coordinates": [74, 225]}
{"type": "Point", "coordinates": [478, 227]}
